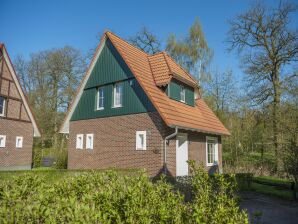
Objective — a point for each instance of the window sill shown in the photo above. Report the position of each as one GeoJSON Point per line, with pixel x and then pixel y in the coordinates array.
{"type": "Point", "coordinates": [139, 149]}
{"type": "Point", "coordinates": [117, 106]}
{"type": "Point", "coordinates": [101, 108]}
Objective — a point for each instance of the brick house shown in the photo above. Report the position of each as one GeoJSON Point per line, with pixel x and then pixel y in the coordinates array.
{"type": "Point", "coordinates": [17, 123]}
{"type": "Point", "coordinates": [134, 110]}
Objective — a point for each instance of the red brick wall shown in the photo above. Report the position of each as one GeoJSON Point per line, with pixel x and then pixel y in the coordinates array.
{"type": "Point", "coordinates": [196, 151]}
{"type": "Point", "coordinates": [115, 139]}
{"type": "Point", "coordinates": [10, 156]}
{"type": "Point", "coordinates": [115, 143]}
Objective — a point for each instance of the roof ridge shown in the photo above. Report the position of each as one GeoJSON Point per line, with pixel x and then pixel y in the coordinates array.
{"type": "Point", "coordinates": [170, 71]}
{"type": "Point", "coordinates": [109, 32]}
{"type": "Point", "coordinates": [189, 75]}
{"type": "Point", "coordinates": [151, 69]}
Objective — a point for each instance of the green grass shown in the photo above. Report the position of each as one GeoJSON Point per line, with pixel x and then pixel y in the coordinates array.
{"type": "Point", "coordinates": [272, 191]}
{"type": "Point", "coordinates": [54, 175]}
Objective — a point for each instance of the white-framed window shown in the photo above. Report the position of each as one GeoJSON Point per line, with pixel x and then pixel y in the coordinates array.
{"type": "Point", "coordinates": [89, 141]}
{"type": "Point", "coordinates": [100, 98]}
{"type": "Point", "coordinates": [2, 106]}
{"type": "Point", "coordinates": [2, 141]}
{"type": "Point", "coordinates": [19, 142]}
{"type": "Point", "coordinates": [182, 93]}
{"type": "Point", "coordinates": [118, 94]}
{"type": "Point", "coordinates": [211, 151]}
{"type": "Point", "coordinates": [80, 141]}
{"type": "Point", "coordinates": [141, 140]}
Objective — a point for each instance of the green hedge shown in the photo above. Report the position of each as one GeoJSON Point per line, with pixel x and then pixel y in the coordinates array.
{"type": "Point", "coordinates": [110, 197]}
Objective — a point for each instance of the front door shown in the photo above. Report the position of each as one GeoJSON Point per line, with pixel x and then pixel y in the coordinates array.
{"type": "Point", "coordinates": [181, 155]}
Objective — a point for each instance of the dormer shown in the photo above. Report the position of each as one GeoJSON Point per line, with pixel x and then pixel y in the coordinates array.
{"type": "Point", "coordinates": [173, 79]}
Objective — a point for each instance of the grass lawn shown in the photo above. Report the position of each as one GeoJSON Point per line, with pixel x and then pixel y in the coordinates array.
{"type": "Point", "coordinates": [282, 191]}
{"type": "Point", "coordinates": [54, 175]}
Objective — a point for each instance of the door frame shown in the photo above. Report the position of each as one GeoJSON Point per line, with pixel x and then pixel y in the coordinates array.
{"type": "Point", "coordinates": [177, 145]}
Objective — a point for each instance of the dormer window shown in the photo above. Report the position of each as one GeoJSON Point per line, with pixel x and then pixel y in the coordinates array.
{"type": "Point", "coordinates": [2, 106]}
{"type": "Point", "coordinates": [182, 93]}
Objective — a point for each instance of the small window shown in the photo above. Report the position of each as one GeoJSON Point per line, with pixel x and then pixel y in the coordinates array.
{"type": "Point", "coordinates": [89, 141]}
{"type": "Point", "coordinates": [2, 106]}
{"type": "Point", "coordinates": [118, 94]}
{"type": "Point", "coordinates": [141, 140]}
{"type": "Point", "coordinates": [100, 98]}
{"type": "Point", "coordinates": [19, 142]}
{"type": "Point", "coordinates": [182, 93]}
{"type": "Point", "coordinates": [2, 141]}
{"type": "Point", "coordinates": [212, 151]}
{"type": "Point", "coordinates": [80, 141]}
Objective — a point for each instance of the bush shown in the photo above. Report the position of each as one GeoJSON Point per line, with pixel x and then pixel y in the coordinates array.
{"type": "Point", "coordinates": [109, 197]}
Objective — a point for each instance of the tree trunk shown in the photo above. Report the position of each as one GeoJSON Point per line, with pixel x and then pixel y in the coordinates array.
{"type": "Point", "coordinates": [276, 119]}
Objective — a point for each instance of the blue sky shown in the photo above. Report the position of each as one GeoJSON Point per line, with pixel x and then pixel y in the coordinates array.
{"type": "Point", "coordinates": [31, 26]}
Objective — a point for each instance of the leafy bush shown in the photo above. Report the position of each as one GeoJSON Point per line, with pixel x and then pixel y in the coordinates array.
{"type": "Point", "coordinates": [108, 197]}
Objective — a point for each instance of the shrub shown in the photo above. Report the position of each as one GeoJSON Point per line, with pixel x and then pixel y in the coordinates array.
{"type": "Point", "coordinates": [110, 197]}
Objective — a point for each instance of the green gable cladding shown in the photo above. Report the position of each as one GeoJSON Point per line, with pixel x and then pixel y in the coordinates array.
{"type": "Point", "coordinates": [111, 68]}
{"type": "Point", "coordinates": [173, 91]}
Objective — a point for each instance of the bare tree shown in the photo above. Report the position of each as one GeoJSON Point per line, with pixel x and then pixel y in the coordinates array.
{"type": "Point", "coordinates": [264, 38]}
{"type": "Point", "coordinates": [146, 41]}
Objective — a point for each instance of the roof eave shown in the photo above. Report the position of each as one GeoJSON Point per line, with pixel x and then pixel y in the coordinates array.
{"type": "Point", "coordinates": [201, 130]}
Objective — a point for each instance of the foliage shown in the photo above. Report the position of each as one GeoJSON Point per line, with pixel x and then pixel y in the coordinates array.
{"type": "Point", "coordinates": [191, 52]}
{"type": "Point", "coordinates": [109, 197]}
{"type": "Point", "coordinates": [146, 41]}
{"type": "Point", "coordinates": [291, 161]}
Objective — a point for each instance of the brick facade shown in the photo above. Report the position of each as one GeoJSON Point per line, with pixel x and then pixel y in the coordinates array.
{"type": "Point", "coordinates": [15, 122]}
{"type": "Point", "coordinates": [115, 144]}
{"type": "Point", "coordinates": [12, 158]}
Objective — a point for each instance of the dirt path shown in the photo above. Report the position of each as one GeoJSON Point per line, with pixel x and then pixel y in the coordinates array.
{"type": "Point", "coordinates": [271, 210]}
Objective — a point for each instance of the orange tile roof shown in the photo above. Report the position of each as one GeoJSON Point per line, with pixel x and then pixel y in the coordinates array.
{"type": "Point", "coordinates": [152, 69]}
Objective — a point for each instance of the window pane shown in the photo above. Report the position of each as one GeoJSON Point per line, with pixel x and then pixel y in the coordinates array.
{"type": "Point", "coordinates": [2, 105]}
{"type": "Point", "coordinates": [118, 91]}
{"type": "Point", "coordinates": [101, 98]}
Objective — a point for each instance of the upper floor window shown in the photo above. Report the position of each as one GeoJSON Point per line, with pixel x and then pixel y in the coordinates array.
{"type": "Point", "coordinates": [182, 93]}
{"type": "Point", "coordinates": [2, 106]}
{"type": "Point", "coordinates": [211, 151]}
{"type": "Point", "coordinates": [118, 95]}
{"type": "Point", "coordinates": [100, 98]}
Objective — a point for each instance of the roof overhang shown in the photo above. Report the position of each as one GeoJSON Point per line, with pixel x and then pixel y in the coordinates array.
{"type": "Point", "coordinates": [199, 130]}
{"type": "Point", "coordinates": [36, 131]}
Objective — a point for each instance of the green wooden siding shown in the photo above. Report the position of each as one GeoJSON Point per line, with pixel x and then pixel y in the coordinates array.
{"type": "Point", "coordinates": [173, 91]}
{"type": "Point", "coordinates": [111, 68]}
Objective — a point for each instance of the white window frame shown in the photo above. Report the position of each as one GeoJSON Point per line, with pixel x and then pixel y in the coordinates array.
{"type": "Point", "coordinates": [3, 142]}
{"type": "Point", "coordinates": [182, 93]}
{"type": "Point", "coordinates": [215, 139]}
{"type": "Point", "coordinates": [19, 142]}
{"type": "Point", "coordinates": [144, 146]}
{"type": "Point", "coordinates": [2, 114]}
{"type": "Point", "coordinates": [89, 143]}
{"type": "Point", "coordinates": [99, 98]}
{"type": "Point", "coordinates": [81, 145]}
{"type": "Point", "coordinates": [115, 95]}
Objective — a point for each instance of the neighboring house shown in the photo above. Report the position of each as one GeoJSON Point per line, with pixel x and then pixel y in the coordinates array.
{"type": "Point", "coordinates": [17, 124]}
{"type": "Point", "coordinates": [134, 110]}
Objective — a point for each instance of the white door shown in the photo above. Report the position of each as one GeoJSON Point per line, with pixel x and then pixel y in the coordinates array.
{"type": "Point", "coordinates": [181, 155]}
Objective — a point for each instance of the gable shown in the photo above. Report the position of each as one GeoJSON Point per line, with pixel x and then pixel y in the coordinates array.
{"type": "Point", "coordinates": [16, 105]}
{"type": "Point", "coordinates": [109, 69]}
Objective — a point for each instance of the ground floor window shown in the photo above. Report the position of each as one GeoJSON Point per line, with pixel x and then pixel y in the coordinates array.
{"type": "Point", "coordinates": [89, 141]}
{"type": "Point", "coordinates": [2, 141]}
{"type": "Point", "coordinates": [211, 151]}
{"type": "Point", "coordinates": [80, 141]}
{"type": "Point", "coordinates": [19, 142]}
{"type": "Point", "coordinates": [141, 140]}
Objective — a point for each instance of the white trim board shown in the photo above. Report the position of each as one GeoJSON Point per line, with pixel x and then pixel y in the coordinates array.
{"type": "Point", "coordinates": [20, 90]}
{"type": "Point", "coordinates": [65, 126]}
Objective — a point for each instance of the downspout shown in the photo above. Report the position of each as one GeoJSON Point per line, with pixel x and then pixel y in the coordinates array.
{"type": "Point", "coordinates": [165, 148]}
